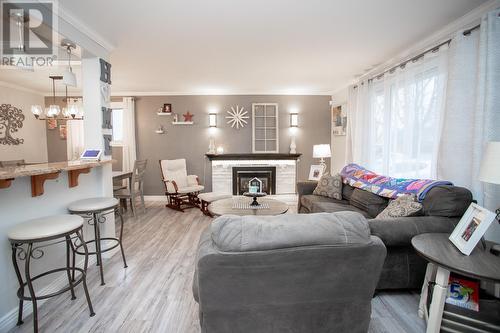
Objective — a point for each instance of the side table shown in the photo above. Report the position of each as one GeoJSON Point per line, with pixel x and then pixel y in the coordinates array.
{"type": "Point", "coordinates": [444, 258]}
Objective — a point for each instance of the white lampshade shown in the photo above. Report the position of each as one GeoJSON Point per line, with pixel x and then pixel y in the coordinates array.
{"type": "Point", "coordinates": [322, 151]}
{"type": "Point", "coordinates": [69, 78]}
{"type": "Point", "coordinates": [490, 165]}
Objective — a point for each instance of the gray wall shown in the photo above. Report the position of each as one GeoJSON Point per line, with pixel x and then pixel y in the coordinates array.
{"type": "Point", "coordinates": [56, 147]}
{"type": "Point", "coordinates": [191, 142]}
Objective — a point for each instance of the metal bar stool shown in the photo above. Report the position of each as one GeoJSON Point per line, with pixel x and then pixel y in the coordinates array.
{"type": "Point", "coordinates": [24, 239]}
{"type": "Point", "coordinates": [94, 210]}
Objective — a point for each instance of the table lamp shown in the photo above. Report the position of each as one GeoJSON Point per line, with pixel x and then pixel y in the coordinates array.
{"type": "Point", "coordinates": [322, 151]}
{"type": "Point", "coordinates": [490, 173]}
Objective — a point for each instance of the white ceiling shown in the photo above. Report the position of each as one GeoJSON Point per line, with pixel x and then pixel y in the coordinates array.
{"type": "Point", "coordinates": [256, 46]}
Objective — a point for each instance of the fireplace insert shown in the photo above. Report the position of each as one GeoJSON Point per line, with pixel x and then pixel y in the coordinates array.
{"type": "Point", "coordinates": [242, 175]}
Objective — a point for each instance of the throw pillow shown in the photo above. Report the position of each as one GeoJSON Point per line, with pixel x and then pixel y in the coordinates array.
{"type": "Point", "coordinates": [403, 206]}
{"type": "Point", "coordinates": [329, 186]}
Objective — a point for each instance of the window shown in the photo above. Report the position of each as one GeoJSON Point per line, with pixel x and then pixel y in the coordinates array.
{"type": "Point", "coordinates": [403, 124]}
{"type": "Point", "coordinates": [117, 121]}
{"type": "Point", "coordinates": [265, 136]}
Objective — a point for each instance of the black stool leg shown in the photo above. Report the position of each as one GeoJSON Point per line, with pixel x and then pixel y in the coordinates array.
{"type": "Point", "coordinates": [84, 277]}
{"type": "Point", "coordinates": [21, 285]}
{"type": "Point", "coordinates": [30, 287]}
{"type": "Point", "coordinates": [121, 242]}
{"type": "Point", "coordinates": [69, 268]}
{"type": "Point", "coordinates": [98, 246]}
{"type": "Point", "coordinates": [73, 250]}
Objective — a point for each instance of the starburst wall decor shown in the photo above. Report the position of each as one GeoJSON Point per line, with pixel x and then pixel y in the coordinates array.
{"type": "Point", "coordinates": [237, 117]}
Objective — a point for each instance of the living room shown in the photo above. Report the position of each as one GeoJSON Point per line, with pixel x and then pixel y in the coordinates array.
{"type": "Point", "coordinates": [266, 166]}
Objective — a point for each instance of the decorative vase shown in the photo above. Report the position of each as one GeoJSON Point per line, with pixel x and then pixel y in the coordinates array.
{"type": "Point", "coordinates": [293, 146]}
{"type": "Point", "coordinates": [211, 146]}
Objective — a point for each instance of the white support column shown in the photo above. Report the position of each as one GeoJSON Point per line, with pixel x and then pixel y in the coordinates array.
{"type": "Point", "coordinates": [92, 104]}
{"type": "Point", "coordinates": [438, 299]}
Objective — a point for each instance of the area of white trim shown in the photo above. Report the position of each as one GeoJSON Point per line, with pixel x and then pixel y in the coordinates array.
{"type": "Point", "coordinates": [225, 93]}
{"type": "Point", "coordinates": [467, 21]}
{"type": "Point", "coordinates": [155, 198]}
{"type": "Point", "coordinates": [65, 15]}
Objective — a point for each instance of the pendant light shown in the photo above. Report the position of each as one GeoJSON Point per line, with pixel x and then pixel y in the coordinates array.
{"type": "Point", "coordinates": [69, 78]}
{"type": "Point", "coordinates": [53, 110]}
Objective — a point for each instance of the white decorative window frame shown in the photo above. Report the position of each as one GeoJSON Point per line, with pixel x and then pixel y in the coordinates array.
{"type": "Point", "coordinates": [276, 128]}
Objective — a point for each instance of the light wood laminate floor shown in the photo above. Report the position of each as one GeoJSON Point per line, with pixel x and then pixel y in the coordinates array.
{"type": "Point", "coordinates": [154, 293]}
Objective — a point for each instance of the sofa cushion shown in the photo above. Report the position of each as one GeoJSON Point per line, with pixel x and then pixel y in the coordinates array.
{"type": "Point", "coordinates": [309, 199]}
{"type": "Point", "coordinates": [369, 202]}
{"type": "Point", "coordinates": [403, 206]}
{"type": "Point", "coordinates": [232, 233]}
{"type": "Point", "coordinates": [329, 186]}
{"type": "Point", "coordinates": [347, 191]}
{"type": "Point", "coordinates": [333, 207]}
{"type": "Point", "coordinates": [448, 201]}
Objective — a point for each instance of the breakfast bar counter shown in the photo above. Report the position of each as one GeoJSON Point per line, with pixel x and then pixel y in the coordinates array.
{"type": "Point", "coordinates": [39, 173]}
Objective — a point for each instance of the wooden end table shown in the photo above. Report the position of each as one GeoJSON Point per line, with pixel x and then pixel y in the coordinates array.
{"type": "Point", "coordinates": [225, 207]}
{"type": "Point", "coordinates": [443, 258]}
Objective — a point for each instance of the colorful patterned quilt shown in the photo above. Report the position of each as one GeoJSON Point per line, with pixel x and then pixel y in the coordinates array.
{"type": "Point", "coordinates": [388, 187]}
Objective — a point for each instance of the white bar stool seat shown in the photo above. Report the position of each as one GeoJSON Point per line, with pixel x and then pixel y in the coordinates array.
{"type": "Point", "coordinates": [27, 240]}
{"type": "Point", "coordinates": [94, 211]}
{"type": "Point", "coordinates": [45, 228]}
{"type": "Point", "coordinates": [92, 205]}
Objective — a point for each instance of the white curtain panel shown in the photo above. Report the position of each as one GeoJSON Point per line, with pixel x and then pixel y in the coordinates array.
{"type": "Point", "coordinates": [74, 135]}
{"type": "Point", "coordinates": [395, 120]}
{"type": "Point", "coordinates": [472, 112]}
{"type": "Point", "coordinates": [129, 147]}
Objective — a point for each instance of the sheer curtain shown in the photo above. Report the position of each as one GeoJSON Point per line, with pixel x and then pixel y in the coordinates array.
{"type": "Point", "coordinates": [472, 113]}
{"type": "Point", "coordinates": [129, 148]}
{"type": "Point", "coordinates": [396, 119]}
{"type": "Point", "coordinates": [75, 137]}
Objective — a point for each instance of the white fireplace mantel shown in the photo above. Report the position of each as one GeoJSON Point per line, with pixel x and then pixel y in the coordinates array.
{"type": "Point", "coordinates": [286, 173]}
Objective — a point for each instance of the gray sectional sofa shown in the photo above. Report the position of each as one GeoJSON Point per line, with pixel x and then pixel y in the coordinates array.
{"type": "Point", "coordinates": [443, 207]}
{"type": "Point", "coordinates": [287, 273]}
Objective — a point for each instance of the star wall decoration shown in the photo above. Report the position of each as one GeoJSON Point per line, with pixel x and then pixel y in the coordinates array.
{"type": "Point", "coordinates": [188, 116]}
{"type": "Point", "coordinates": [237, 117]}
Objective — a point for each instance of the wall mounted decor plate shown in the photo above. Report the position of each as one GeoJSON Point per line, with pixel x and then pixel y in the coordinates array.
{"type": "Point", "coordinates": [237, 117]}
{"type": "Point", "coordinates": [11, 120]}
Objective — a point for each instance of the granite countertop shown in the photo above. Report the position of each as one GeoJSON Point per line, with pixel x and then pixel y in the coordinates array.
{"type": "Point", "coordinates": [44, 168]}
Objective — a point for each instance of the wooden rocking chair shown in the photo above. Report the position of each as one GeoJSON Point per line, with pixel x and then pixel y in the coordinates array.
{"type": "Point", "coordinates": [181, 189]}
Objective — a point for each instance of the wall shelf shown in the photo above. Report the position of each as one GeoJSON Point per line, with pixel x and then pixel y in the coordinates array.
{"type": "Point", "coordinates": [182, 123]}
{"type": "Point", "coordinates": [164, 113]}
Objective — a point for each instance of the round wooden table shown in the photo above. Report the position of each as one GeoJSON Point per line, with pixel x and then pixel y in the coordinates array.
{"type": "Point", "coordinates": [443, 258]}
{"type": "Point", "coordinates": [225, 207]}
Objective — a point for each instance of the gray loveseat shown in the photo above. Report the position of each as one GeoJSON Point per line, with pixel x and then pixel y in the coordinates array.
{"type": "Point", "coordinates": [288, 273]}
{"type": "Point", "coordinates": [443, 207]}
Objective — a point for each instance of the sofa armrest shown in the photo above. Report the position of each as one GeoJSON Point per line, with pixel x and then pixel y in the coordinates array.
{"type": "Point", "coordinates": [304, 188]}
{"type": "Point", "coordinates": [400, 231]}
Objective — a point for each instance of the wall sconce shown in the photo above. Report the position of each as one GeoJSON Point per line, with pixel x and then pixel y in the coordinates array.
{"type": "Point", "coordinates": [212, 120]}
{"type": "Point", "coordinates": [294, 120]}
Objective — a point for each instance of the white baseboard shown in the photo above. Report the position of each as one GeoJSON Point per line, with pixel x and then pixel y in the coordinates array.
{"type": "Point", "coordinates": [155, 198]}
{"type": "Point", "coordinates": [9, 321]}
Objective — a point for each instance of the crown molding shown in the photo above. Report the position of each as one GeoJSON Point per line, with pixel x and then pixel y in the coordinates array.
{"type": "Point", "coordinates": [466, 21]}
{"type": "Point", "coordinates": [221, 93]}
{"type": "Point", "coordinates": [21, 88]}
{"type": "Point", "coordinates": [71, 19]}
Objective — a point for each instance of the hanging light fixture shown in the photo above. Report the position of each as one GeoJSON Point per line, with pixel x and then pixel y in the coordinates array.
{"type": "Point", "coordinates": [69, 78]}
{"type": "Point", "coordinates": [53, 110]}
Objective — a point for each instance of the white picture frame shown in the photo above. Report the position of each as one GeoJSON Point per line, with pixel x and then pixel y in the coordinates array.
{"type": "Point", "coordinates": [91, 155]}
{"type": "Point", "coordinates": [315, 172]}
{"type": "Point", "coordinates": [471, 228]}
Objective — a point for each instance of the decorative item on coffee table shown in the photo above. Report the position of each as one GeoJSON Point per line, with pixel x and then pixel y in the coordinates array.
{"type": "Point", "coordinates": [255, 191]}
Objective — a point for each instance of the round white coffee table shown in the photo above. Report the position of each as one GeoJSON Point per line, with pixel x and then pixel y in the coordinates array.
{"type": "Point", "coordinates": [225, 207]}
